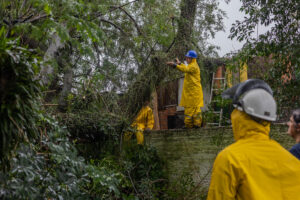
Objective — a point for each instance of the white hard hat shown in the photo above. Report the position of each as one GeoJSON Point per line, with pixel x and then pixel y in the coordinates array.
{"type": "Point", "coordinates": [254, 97]}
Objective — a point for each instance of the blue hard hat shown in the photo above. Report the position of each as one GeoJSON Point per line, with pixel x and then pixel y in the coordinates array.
{"type": "Point", "coordinates": [191, 54]}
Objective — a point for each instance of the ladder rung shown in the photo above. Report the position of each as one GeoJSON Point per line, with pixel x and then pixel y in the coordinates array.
{"type": "Point", "coordinates": [219, 79]}
{"type": "Point", "coordinates": [213, 123]}
{"type": "Point", "coordinates": [216, 112]}
{"type": "Point", "coordinates": [218, 89]}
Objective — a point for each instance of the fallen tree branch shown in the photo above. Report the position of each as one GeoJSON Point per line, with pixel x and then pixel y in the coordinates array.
{"type": "Point", "coordinates": [132, 183]}
{"type": "Point", "coordinates": [36, 18]}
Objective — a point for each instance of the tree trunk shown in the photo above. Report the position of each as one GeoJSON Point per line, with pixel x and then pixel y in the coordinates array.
{"type": "Point", "coordinates": [67, 86]}
{"type": "Point", "coordinates": [155, 111]}
{"type": "Point", "coordinates": [47, 70]}
{"type": "Point", "coordinates": [183, 40]}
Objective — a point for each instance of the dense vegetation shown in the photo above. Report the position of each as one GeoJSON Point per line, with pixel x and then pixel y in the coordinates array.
{"type": "Point", "coordinates": [274, 55]}
{"type": "Point", "coordinates": [74, 74]}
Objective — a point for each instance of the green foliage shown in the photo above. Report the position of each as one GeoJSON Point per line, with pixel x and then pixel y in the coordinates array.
{"type": "Point", "coordinates": [136, 173]}
{"type": "Point", "coordinates": [186, 187]}
{"type": "Point", "coordinates": [280, 44]}
{"type": "Point", "coordinates": [93, 126]}
{"type": "Point", "coordinates": [107, 45]}
{"type": "Point", "coordinates": [107, 180]}
{"type": "Point", "coordinates": [212, 115]}
{"type": "Point", "coordinates": [51, 168]}
{"type": "Point", "coordinates": [283, 36]}
{"type": "Point", "coordinates": [208, 66]}
{"type": "Point", "coordinates": [18, 95]}
{"type": "Point", "coordinates": [144, 169]}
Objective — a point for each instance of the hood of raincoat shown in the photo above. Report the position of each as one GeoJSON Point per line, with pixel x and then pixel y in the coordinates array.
{"type": "Point", "coordinates": [243, 126]}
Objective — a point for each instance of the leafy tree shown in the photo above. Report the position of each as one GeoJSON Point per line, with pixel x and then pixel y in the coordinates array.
{"type": "Point", "coordinates": [280, 44]}
{"type": "Point", "coordinates": [107, 41]}
{"type": "Point", "coordinates": [18, 96]}
{"type": "Point", "coordinates": [88, 52]}
{"type": "Point", "coordinates": [282, 39]}
{"type": "Point", "coordinates": [51, 168]}
{"type": "Point", "coordinates": [194, 14]}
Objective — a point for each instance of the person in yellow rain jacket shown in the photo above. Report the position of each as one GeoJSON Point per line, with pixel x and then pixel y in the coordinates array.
{"type": "Point", "coordinates": [254, 167]}
{"type": "Point", "coordinates": [192, 95]}
{"type": "Point", "coordinates": [143, 121]}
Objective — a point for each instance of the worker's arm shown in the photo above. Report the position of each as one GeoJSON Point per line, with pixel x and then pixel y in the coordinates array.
{"type": "Point", "coordinates": [224, 179]}
{"type": "Point", "coordinates": [186, 68]}
{"type": "Point", "coordinates": [150, 120]}
{"type": "Point", "coordinates": [174, 64]}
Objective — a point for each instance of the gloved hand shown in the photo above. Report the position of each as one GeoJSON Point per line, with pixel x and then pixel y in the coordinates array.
{"type": "Point", "coordinates": [175, 63]}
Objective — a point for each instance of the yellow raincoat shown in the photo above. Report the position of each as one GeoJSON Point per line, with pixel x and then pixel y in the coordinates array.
{"type": "Point", "coordinates": [144, 120]}
{"type": "Point", "coordinates": [192, 95]}
{"type": "Point", "coordinates": [254, 167]}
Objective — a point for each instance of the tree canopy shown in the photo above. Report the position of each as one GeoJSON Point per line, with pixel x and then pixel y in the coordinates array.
{"type": "Point", "coordinates": [280, 45]}
{"type": "Point", "coordinates": [97, 61]}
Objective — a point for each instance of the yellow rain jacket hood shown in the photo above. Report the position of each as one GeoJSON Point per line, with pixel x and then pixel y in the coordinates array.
{"type": "Point", "coordinates": [192, 95]}
{"type": "Point", "coordinates": [254, 167]}
{"type": "Point", "coordinates": [144, 119]}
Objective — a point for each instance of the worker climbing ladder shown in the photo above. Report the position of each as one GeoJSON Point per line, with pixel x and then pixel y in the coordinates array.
{"type": "Point", "coordinates": [216, 90]}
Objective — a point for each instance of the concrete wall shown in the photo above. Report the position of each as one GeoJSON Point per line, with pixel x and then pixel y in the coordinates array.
{"type": "Point", "coordinates": [194, 151]}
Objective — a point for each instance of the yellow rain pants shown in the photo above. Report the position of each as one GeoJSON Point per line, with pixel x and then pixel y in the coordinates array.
{"type": "Point", "coordinates": [144, 120]}
{"type": "Point", "coordinates": [254, 167]}
{"type": "Point", "coordinates": [192, 117]}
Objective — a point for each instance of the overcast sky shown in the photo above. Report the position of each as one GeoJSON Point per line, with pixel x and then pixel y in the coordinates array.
{"type": "Point", "coordinates": [221, 38]}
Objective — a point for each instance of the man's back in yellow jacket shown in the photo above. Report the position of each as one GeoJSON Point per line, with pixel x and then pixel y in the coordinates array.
{"type": "Point", "coordinates": [254, 167]}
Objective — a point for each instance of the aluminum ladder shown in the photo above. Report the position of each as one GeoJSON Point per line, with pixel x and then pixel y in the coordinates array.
{"type": "Point", "coordinates": [212, 100]}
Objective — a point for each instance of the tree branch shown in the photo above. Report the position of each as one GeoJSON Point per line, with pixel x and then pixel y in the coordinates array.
{"type": "Point", "coordinates": [116, 26]}
{"type": "Point", "coordinates": [36, 18]}
{"type": "Point", "coordinates": [29, 19]}
{"type": "Point", "coordinates": [151, 50]}
{"type": "Point", "coordinates": [196, 45]}
{"type": "Point", "coordinates": [113, 8]}
{"type": "Point", "coordinates": [126, 4]}
{"type": "Point", "coordinates": [23, 5]}
{"type": "Point", "coordinates": [171, 45]}
{"type": "Point", "coordinates": [132, 19]}
{"type": "Point", "coordinates": [132, 183]}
